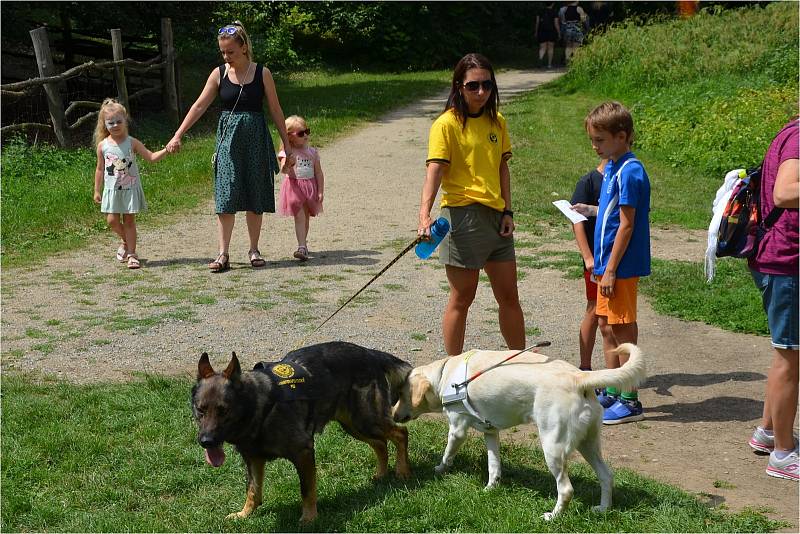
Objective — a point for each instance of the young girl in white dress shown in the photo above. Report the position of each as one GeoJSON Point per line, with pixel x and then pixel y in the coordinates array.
{"type": "Point", "coordinates": [302, 188]}
{"type": "Point", "coordinates": [117, 187]}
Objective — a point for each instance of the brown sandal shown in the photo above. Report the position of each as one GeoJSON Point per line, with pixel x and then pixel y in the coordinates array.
{"type": "Point", "coordinates": [255, 258]}
{"type": "Point", "coordinates": [220, 264]}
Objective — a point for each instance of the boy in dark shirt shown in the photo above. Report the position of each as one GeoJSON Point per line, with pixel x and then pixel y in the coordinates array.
{"type": "Point", "coordinates": [587, 191]}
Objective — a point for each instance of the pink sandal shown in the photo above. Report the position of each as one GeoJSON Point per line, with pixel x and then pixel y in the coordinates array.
{"type": "Point", "coordinates": [133, 261]}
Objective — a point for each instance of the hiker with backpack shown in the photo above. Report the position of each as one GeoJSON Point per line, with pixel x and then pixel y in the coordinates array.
{"type": "Point", "coordinates": [774, 266]}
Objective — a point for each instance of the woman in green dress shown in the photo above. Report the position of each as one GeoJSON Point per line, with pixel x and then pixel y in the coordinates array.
{"type": "Point", "coordinates": [244, 162]}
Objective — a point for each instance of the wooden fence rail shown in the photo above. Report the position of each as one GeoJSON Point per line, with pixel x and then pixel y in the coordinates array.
{"type": "Point", "coordinates": [53, 83]}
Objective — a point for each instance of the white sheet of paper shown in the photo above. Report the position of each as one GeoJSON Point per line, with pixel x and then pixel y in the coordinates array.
{"type": "Point", "coordinates": [566, 208]}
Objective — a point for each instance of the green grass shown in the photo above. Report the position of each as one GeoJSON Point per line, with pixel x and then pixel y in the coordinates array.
{"type": "Point", "coordinates": [47, 192]}
{"type": "Point", "coordinates": [731, 301]}
{"type": "Point", "coordinates": [708, 92]}
{"type": "Point", "coordinates": [547, 122]}
{"type": "Point", "coordinates": [123, 457]}
{"type": "Point", "coordinates": [707, 95]}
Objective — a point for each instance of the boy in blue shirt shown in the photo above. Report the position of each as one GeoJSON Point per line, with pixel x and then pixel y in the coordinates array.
{"type": "Point", "coordinates": [621, 243]}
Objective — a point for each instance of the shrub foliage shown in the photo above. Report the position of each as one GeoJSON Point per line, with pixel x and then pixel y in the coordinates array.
{"type": "Point", "coordinates": [708, 92]}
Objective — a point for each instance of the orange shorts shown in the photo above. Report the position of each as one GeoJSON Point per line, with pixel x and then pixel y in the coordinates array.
{"type": "Point", "coordinates": [621, 308]}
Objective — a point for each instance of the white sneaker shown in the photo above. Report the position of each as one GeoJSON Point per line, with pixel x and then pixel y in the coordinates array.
{"type": "Point", "coordinates": [786, 468]}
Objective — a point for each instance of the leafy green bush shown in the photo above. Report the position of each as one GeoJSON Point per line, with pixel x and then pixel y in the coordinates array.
{"type": "Point", "coordinates": [708, 92]}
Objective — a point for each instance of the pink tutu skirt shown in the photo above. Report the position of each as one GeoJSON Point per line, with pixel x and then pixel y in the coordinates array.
{"type": "Point", "coordinates": [296, 193]}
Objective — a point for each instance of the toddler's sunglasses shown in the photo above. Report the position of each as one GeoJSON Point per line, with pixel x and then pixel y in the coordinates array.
{"type": "Point", "coordinates": [302, 133]}
{"type": "Point", "coordinates": [230, 30]}
{"type": "Point", "coordinates": [473, 86]}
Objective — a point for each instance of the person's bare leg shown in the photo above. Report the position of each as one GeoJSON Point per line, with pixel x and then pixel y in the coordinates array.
{"type": "Point", "coordinates": [463, 284]}
{"type": "Point", "coordinates": [609, 343]}
{"type": "Point", "coordinates": [225, 222]}
{"type": "Point", "coordinates": [588, 334]}
{"type": "Point", "coordinates": [253, 228]}
{"type": "Point", "coordinates": [129, 229]}
{"type": "Point", "coordinates": [781, 396]}
{"type": "Point", "coordinates": [300, 228]}
{"type": "Point", "coordinates": [503, 277]}
{"type": "Point", "coordinates": [114, 221]}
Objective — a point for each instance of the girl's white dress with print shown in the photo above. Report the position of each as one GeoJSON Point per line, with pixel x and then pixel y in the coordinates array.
{"type": "Point", "coordinates": [123, 191]}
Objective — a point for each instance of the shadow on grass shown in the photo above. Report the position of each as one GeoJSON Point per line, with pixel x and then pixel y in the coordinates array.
{"type": "Point", "coordinates": [329, 257]}
{"type": "Point", "coordinates": [337, 512]}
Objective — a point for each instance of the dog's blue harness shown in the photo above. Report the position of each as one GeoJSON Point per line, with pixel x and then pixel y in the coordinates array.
{"type": "Point", "coordinates": [455, 398]}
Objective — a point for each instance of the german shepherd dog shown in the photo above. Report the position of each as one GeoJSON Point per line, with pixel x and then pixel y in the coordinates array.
{"type": "Point", "coordinates": [274, 411]}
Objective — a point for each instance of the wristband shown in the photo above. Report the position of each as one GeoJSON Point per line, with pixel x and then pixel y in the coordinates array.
{"type": "Point", "coordinates": [509, 213]}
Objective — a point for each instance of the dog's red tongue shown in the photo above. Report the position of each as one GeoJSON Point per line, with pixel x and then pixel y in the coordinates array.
{"type": "Point", "coordinates": [215, 456]}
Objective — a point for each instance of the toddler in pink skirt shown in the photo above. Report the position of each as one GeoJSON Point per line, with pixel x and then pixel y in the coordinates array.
{"type": "Point", "coordinates": [302, 188]}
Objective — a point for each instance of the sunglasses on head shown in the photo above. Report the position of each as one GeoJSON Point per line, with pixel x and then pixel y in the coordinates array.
{"type": "Point", "coordinates": [474, 85]}
{"type": "Point", "coordinates": [230, 30]}
{"type": "Point", "coordinates": [302, 133]}
{"type": "Point", "coordinates": [111, 124]}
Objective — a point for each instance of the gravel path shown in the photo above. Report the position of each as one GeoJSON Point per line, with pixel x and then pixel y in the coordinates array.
{"type": "Point", "coordinates": [84, 318]}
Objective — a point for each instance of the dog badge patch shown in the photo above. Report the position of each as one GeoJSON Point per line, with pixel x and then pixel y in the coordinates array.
{"type": "Point", "coordinates": [283, 370]}
{"type": "Point", "coordinates": [288, 377]}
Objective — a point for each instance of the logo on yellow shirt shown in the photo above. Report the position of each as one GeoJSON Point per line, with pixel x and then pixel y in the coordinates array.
{"type": "Point", "coordinates": [493, 137]}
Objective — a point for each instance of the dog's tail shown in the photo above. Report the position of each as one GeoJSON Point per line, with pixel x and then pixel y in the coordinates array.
{"type": "Point", "coordinates": [630, 375]}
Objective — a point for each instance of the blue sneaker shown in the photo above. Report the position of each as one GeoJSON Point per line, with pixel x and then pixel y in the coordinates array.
{"type": "Point", "coordinates": [605, 400]}
{"type": "Point", "coordinates": [623, 411]}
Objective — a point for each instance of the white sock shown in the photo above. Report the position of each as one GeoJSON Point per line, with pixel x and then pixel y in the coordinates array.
{"type": "Point", "coordinates": [767, 432]}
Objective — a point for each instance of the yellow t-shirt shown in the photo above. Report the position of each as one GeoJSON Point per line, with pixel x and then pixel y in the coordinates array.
{"type": "Point", "coordinates": [473, 155]}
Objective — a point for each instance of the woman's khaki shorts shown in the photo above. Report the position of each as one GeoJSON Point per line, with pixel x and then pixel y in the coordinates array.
{"type": "Point", "coordinates": [474, 237]}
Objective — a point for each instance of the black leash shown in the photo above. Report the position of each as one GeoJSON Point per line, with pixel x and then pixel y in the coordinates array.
{"type": "Point", "coordinates": [405, 250]}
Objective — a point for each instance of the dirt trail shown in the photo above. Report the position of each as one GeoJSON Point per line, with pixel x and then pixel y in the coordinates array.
{"type": "Point", "coordinates": [83, 317]}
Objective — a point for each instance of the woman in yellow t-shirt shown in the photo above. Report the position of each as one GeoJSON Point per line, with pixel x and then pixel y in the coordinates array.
{"type": "Point", "coordinates": [468, 152]}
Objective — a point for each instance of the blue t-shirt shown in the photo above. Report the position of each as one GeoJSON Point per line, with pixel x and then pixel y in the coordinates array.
{"type": "Point", "coordinates": [625, 183]}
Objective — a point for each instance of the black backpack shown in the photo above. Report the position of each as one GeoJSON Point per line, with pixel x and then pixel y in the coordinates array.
{"type": "Point", "coordinates": [741, 227]}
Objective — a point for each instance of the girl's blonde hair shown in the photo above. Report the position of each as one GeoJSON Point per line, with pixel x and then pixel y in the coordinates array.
{"type": "Point", "coordinates": [294, 120]}
{"type": "Point", "coordinates": [240, 37]}
{"type": "Point", "coordinates": [109, 106]}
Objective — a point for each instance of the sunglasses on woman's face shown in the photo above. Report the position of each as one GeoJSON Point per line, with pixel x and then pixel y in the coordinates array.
{"type": "Point", "coordinates": [230, 30]}
{"type": "Point", "coordinates": [474, 85]}
{"type": "Point", "coordinates": [302, 133]}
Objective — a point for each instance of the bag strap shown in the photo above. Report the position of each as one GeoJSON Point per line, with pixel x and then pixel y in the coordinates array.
{"type": "Point", "coordinates": [776, 212]}
{"type": "Point", "coordinates": [773, 217]}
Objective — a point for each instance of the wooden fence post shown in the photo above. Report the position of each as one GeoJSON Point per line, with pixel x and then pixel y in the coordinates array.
{"type": "Point", "coordinates": [44, 61]}
{"type": "Point", "coordinates": [169, 89]}
{"type": "Point", "coordinates": [119, 70]}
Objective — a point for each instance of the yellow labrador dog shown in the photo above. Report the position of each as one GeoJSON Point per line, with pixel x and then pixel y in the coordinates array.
{"type": "Point", "coordinates": [532, 387]}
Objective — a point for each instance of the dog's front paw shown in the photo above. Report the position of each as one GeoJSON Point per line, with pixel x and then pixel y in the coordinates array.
{"type": "Point", "coordinates": [308, 517]}
{"type": "Point", "coordinates": [237, 515]}
{"type": "Point", "coordinates": [548, 516]}
{"type": "Point", "coordinates": [403, 473]}
{"type": "Point", "coordinates": [441, 469]}
{"type": "Point", "coordinates": [599, 508]}
{"type": "Point", "coordinates": [492, 484]}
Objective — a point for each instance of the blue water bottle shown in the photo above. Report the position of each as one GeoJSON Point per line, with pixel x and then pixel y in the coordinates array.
{"type": "Point", "coordinates": [439, 229]}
